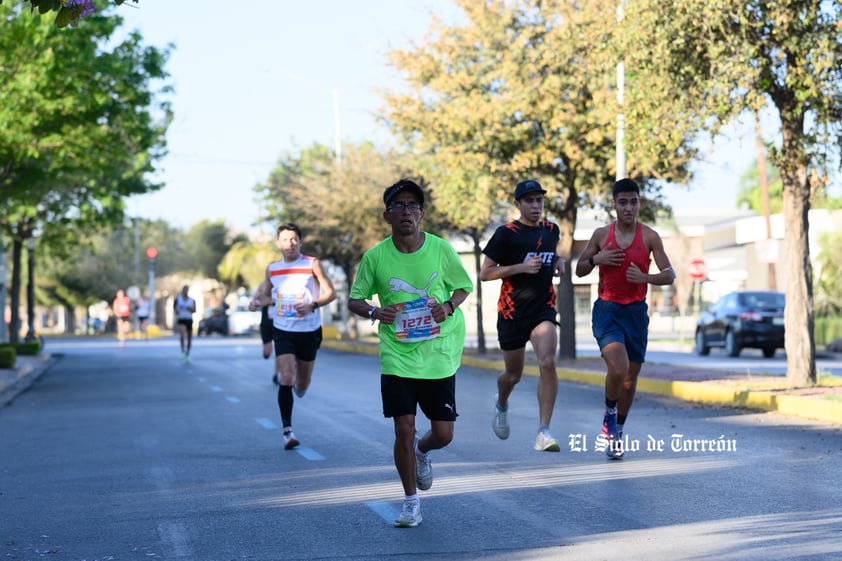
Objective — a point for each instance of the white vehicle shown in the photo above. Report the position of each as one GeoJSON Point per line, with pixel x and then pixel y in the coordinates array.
{"type": "Point", "coordinates": [241, 321]}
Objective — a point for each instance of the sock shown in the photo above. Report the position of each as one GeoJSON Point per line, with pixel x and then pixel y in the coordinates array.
{"type": "Point", "coordinates": [285, 404]}
{"type": "Point", "coordinates": [411, 497]}
{"type": "Point", "coordinates": [542, 428]}
{"type": "Point", "coordinates": [621, 419]}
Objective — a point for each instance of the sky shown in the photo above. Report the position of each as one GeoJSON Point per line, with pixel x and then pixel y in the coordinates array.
{"type": "Point", "coordinates": [254, 80]}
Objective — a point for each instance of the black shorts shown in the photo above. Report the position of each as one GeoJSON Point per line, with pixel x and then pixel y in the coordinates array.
{"type": "Point", "coordinates": [437, 398]}
{"type": "Point", "coordinates": [124, 318]}
{"type": "Point", "coordinates": [513, 334]}
{"type": "Point", "coordinates": [188, 323]}
{"type": "Point", "coordinates": [301, 344]}
{"type": "Point", "coordinates": [266, 325]}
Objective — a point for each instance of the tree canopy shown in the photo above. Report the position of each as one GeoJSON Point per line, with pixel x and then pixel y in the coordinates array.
{"type": "Point", "coordinates": [87, 126]}
{"type": "Point", "coordinates": [523, 89]}
{"type": "Point", "coordinates": [84, 132]}
{"type": "Point", "coordinates": [68, 12]}
{"type": "Point", "coordinates": [704, 62]}
{"type": "Point", "coordinates": [338, 206]}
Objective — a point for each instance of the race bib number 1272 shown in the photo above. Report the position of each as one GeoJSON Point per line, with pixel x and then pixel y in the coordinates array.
{"type": "Point", "coordinates": [415, 322]}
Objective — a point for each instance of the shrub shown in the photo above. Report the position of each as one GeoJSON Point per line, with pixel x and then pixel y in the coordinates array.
{"type": "Point", "coordinates": [8, 356]}
{"type": "Point", "coordinates": [28, 348]}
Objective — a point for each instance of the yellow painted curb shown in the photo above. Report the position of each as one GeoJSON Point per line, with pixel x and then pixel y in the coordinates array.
{"type": "Point", "coordinates": [361, 348]}
{"type": "Point", "coordinates": [702, 392]}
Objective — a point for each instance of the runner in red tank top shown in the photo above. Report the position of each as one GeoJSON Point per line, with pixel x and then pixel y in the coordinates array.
{"type": "Point", "coordinates": [620, 318]}
{"type": "Point", "coordinates": [122, 307]}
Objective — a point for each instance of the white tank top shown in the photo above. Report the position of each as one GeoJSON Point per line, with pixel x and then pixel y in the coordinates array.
{"type": "Point", "coordinates": [182, 307]}
{"type": "Point", "coordinates": [294, 283]}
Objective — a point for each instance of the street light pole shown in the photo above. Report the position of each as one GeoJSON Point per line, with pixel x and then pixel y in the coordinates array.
{"type": "Point", "coordinates": [337, 140]}
{"type": "Point", "coordinates": [151, 254]}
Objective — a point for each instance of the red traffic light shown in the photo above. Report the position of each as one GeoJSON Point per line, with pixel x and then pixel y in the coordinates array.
{"type": "Point", "coordinates": [151, 253]}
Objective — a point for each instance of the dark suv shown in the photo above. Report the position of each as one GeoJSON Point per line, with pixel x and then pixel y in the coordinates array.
{"type": "Point", "coordinates": [743, 319]}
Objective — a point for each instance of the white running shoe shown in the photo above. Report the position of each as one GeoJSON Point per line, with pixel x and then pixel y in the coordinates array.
{"type": "Point", "coordinates": [410, 515]}
{"type": "Point", "coordinates": [545, 442]}
{"type": "Point", "coordinates": [423, 468]}
{"type": "Point", "coordinates": [499, 423]}
{"type": "Point", "coordinates": [290, 441]}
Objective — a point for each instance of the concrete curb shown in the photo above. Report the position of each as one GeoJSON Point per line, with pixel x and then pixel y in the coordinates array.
{"type": "Point", "coordinates": [28, 369]}
{"type": "Point", "coordinates": [813, 408]}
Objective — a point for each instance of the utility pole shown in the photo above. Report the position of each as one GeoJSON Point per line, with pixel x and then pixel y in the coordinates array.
{"type": "Point", "coordinates": [337, 140]}
{"type": "Point", "coordinates": [621, 121]}
{"type": "Point", "coordinates": [764, 197]}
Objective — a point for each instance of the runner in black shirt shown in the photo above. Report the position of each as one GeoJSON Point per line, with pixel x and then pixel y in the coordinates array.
{"type": "Point", "coordinates": [522, 253]}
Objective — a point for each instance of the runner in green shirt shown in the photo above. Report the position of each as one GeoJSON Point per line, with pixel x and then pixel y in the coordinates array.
{"type": "Point", "coordinates": [420, 282]}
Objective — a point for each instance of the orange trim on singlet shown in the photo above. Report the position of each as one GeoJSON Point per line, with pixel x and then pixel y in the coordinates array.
{"type": "Point", "coordinates": [297, 271]}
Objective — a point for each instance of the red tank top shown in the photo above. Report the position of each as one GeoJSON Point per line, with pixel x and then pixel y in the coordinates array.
{"type": "Point", "coordinates": [613, 285]}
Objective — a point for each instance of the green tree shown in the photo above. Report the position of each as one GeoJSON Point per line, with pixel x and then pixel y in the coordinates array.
{"type": "Point", "coordinates": [102, 261]}
{"type": "Point", "coordinates": [750, 194]}
{"type": "Point", "coordinates": [207, 243]}
{"type": "Point", "coordinates": [828, 280]}
{"type": "Point", "coordinates": [84, 132]}
{"type": "Point", "coordinates": [68, 12]}
{"type": "Point", "coordinates": [245, 263]}
{"type": "Point", "coordinates": [704, 62]}
{"type": "Point", "coordinates": [338, 206]}
{"type": "Point", "coordinates": [523, 90]}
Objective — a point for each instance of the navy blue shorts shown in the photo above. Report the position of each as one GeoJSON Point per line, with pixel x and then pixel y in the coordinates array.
{"type": "Point", "coordinates": [301, 344]}
{"type": "Point", "coordinates": [622, 323]}
{"type": "Point", "coordinates": [437, 398]}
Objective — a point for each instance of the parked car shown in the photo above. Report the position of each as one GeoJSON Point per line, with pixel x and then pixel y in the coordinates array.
{"type": "Point", "coordinates": [753, 318]}
{"type": "Point", "coordinates": [215, 320]}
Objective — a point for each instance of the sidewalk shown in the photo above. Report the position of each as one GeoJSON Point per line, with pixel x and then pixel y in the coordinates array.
{"type": "Point", "coordinates": [715, 387]}
{"type": "Point", "coordinates": [14, 381]}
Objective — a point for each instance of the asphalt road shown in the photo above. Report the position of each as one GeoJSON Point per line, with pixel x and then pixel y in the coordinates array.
{"type": "Point", "coordinates": [126, 453]}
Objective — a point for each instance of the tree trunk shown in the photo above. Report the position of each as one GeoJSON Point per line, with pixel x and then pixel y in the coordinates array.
{"type": "Point", "coordinates": [70, 319]}
{"type": "Point", "coordinates": [798, 314]}
{"type": "Point", "coordinates": [14, 293]}
{"type": "Point", "coordinates": [481, 348]}
{"type": "Point", "coordinates": [566, 305]}
{"type": "Point", "coordinates": [344, 296]}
